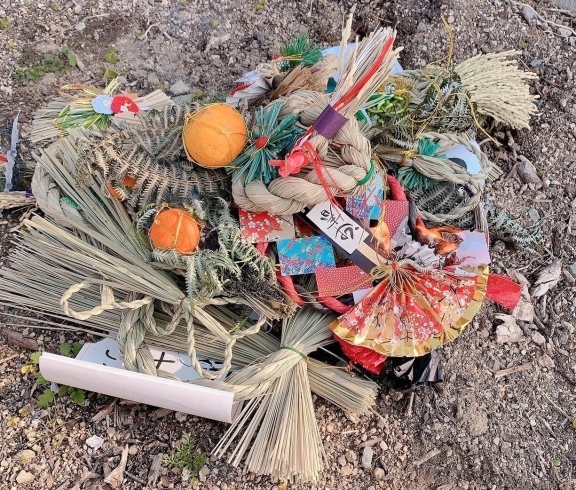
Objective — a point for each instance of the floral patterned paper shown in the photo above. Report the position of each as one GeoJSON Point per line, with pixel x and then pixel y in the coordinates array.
{"type": "Point", "coordinates": [265, 227]}
{"type": "Point", "coordinates": [367, 205]}
{"type": "Point", "coordinates": [304, 255]}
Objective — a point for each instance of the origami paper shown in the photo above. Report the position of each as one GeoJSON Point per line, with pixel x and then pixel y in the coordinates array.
{"type": "Point", "coordinates": [367, 205]}
{"type": "Point", "coordinates": [304, 255]}
{"type": "Point", "coordinates": [341, 280]}
{"type": "Point", "coordinates": [265, 227]}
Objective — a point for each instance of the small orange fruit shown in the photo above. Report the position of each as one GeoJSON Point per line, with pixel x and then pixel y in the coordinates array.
{"type": "Point", "coordinates": [128, 181]}
{"type": "Point", "coordinates": [214, 135]}
{"type": "Point", "coordinates": [175, 229]}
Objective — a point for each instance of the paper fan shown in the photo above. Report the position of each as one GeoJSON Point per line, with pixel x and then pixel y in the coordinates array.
{"type": "Point", "coordinates": [413, 311]}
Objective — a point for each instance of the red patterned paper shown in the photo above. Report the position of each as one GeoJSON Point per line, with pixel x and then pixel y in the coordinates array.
{"type": "Point", "coordinates": [265, 227]}
{"type": "Point", "coordinates": [395, 212]}
{"type": "Point", "coordinates": [337, 281]}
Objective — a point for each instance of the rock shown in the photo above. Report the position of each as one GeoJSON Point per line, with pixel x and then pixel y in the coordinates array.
{"type": "Point", "coordinates": [509, 331]}
{"type": "Point", "coordinates": [546, 361]}
{"type": "Point", "coordinates": [367, 456]}
{"type": "Point", "coordinates": [524, 310]}
{"type": "Point", "coordinates": [379, 474]}
{"type": "Point", "coordinates": [346, 470]}
{"type": "Point", "coordinates": [450, 19]}
{"type": "Point", "coordinates": [538, 338]}
{"type": "Point", "coordinates": [16, 338]}
{"type": "Point", "coordinates": [24, 477]}
{"type": "Point", "coordinates": [153, 79]}
{"type": "Point", "coordinates": [534, 215]}
{"type": "Point", "coordinates": [24, 457]}
{"type": "Point", "coordinates": [565, 31]}
{"type": "Point", "coordinates": [383, 446]}
{"type": "Point", "coordinates": [80, 26]}
{"type": "Point", "coordinates": [179, 88]}
{"type": "Point", "coordinates": [342, 461]}
{"type": "Point", "coordinates": [78, 9]}
{"type": "Point", "coordinates": [547, 279]}
{"type": "Point", "coordinates": [95, 442]}
{"type": "Point", "coordinates": [350, 455]}
{"type": "Point", "coordinates": [203, 473]}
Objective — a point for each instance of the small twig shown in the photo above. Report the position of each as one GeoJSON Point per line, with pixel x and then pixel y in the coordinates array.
{"type": "Point", "coordinates": [565, 376]}
{"type": "Point", "coordinates": [90, 17]}
{"type": "Point", "coordinates": [9, 358]}
{"type": "Point", "coordinates": [557, 407]}
{"type": "Point", "coordinates": [410, 405]}
{"type": "Point", "coordinates": [145, 35]}
{"type": "Point", "coordinates": [511, 370]}
{"type": "Point", "coordinates": [135, 478]}
{"type": "Point", "coordinates": [547, 425]}
{"type": "Point", "coordinates": [428, 456]}
{"type": "Point", "coordinates": [541, 325]}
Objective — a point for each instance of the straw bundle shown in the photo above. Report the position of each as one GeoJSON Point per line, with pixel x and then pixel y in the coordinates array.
{"type": "Point", "coordinates": [15, 199]}
{"type": "Point", "coordinates": [499, 89]}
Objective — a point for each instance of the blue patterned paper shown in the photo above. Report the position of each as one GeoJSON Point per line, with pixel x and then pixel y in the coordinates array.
{"type": "Point", "coordinates": [305, 255]}
{"type": "Point", "coordinates": [367, 205]}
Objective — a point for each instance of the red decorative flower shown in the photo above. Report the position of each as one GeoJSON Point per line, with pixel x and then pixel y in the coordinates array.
{"type": "Point", "coordinates": [298, 157]}
{"type": "Point", "coordinates": [123, 103]}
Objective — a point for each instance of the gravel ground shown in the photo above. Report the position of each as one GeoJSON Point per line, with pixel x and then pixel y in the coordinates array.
{"type": "Point", "coordinates": [479, 431]}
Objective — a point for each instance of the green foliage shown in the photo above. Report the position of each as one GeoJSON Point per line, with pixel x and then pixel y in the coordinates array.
{"type": "Point", "coordinates": [186, 456]}
{"type": "Point", "coordinates": [504, 227]}
{"type": "Point", "coordinates": [260, 4]}
{"type": "Point", "coordinates": [111, 56]}
{"type": "Point", "coordinates": [46, 398]}
{"type": "Point", "coordinates": [4, 22]}
{"type": "Point", "coordinates": [301, 50]}
{"type": "Point", "coordinates": [411, 179]}
{"type": "Point", "coordinates": [271, 139]}
{"type": "Point", "coordinates": [70, 349]}
{"type": "Point", "coordinates": [36, 66]}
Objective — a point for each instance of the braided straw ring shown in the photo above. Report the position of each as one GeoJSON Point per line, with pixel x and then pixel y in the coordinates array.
{"type": "Point", "coordinates": [347, 157]}
{"type": "Point", "coordinates": [442, 169]}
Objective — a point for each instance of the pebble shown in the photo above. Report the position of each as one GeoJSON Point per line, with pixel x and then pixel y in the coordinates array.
{"type": "Point", "coordinates": [538, 338]}
{"type": "Point", "coordinates": [564, 32]}
{"type": "Point", "coordinates": [379, 474]}
{"type": "Point", "coordinates": [179, 88]}
{"type": "Point", "coordinates": [80, 26]}
{"type": "Point", "coordinates": [24, 457]}
{"type": "Point", "coordinates": [203, 473]}
{"type": "Point", "coordinates": [534, 215]}
{"type": "Point", "coordinates": [95, 442]}
{"type": "Point", "coordinates": [350, 455]}
{"type": "Point", "coordinates": [78, 9]}
{"type": "Point", "coordinates": [450, 19]}
{"type": "Point", "coordinates": [346, 470]}
{"type": "Point", "coordinates": [383, 446]}
{"type": "Point", "coordinates": [24, 477]}
{"type": "Point", "coordinates": [367, 456]}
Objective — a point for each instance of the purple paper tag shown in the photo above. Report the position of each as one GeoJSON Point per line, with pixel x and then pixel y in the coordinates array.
{"type": "Point", "coordinates": [29, 193]}
{"type": "Point", "coordinates": [329, 122]}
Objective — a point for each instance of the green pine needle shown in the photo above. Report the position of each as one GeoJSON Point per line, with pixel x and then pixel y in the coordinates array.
{"type": "Point", "coordinates": [412, 179]}
{"type": "Point", "coordinates": [304, 51]}
{"type": "Point", "coordinates": [253, 162]}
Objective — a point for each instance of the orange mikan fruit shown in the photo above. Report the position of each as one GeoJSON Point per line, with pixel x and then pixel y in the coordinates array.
{"type": "Point", "coordinates": [214, 135]}
{"type": "Point", "coordinates": [175, 229]}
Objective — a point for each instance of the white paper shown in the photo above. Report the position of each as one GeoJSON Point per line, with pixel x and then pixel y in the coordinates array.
{"type": "Point", "coordinates": [472, 164]}
{"type": "Point", "coordinates": [360, 294]}
{"type": "Point", "coordinates": [98, 368]}
{"type": "Point", "coordinates": [337, 225]}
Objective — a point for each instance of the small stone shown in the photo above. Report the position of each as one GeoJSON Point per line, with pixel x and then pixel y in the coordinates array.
{"type": "Point", "coordinates": [534, 215]}
{"type": "Point", "coordinates": [346, 470]}
{"type": "Point", "coordinates": [509, 331]}
{"type": "Point", "coordinates": [78, 9]}
{"type": "Point", "coordinates": [179, 88]}
{"type": "Point", "coordinates": [350, 455]}
{"type": "Point", "coordinates": [342, 461]}
{"type": "Point", "coordinates": [80, 26]}
{"type": "Point", "coordinates": [24, 477]}
{"type": "Point", "coordinates": [383, 446]}
{"type": "Point", "coordinates": [24, 457]}
{"type": "Point", "coordinates": [180, 416]}
{"type": "Point", "coordinates": [538, 338]}
{"type": "Point", "coordinates": [450, 19]}
{"type": "Point", "coordinates": [546, 361]}
{"type": "Point", "coordinates": [379, 474]}
{"type": "Point", "coordinates": [367, 456]}
{"type": "Point", "coordinates": [203, 473]}
{"type": "Point", "coordinates": [153, 79]}
{"type": "Point", "coordinates": [565, 31]}
{"type": "Point", "coordinates": [111, 431]}
{"type": "Point", "coordinates": [95, 442]}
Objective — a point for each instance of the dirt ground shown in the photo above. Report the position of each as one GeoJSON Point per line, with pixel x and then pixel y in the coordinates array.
{"type": "Point", "coordinates": [479, 431]}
